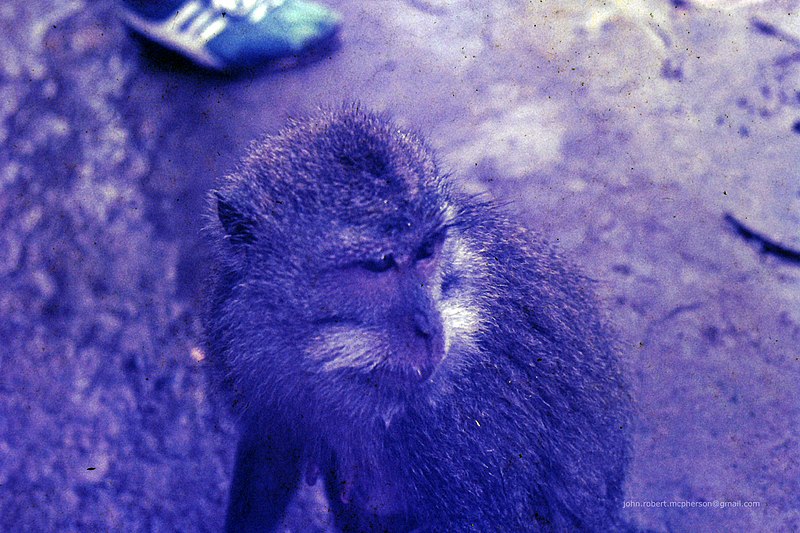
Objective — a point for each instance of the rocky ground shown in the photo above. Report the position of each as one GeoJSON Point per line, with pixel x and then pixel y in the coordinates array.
{"type": "Point", "coordinates": [656, 141]}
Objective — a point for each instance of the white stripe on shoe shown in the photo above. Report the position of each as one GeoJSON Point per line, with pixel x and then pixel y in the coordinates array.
{"type": "Point", "coordinates": [182, 15]}
{"type": "Point", "coordinates": [258, 14]}
{"type": "Point", "coordinates": [213, 29]}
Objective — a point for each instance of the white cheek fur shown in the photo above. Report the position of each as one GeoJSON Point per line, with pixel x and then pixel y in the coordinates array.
{"type": "Point", "coordinates": [461, 318]}
{"type": "Point", "coordinates": [345, 347]}
{"type": "Point", "coordinates": [460, 322]}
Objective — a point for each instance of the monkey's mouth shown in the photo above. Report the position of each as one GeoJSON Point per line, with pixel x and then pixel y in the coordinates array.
{"type": "Point", "coordinates": [396, 380]}
{"type": "Point", "coordinates": [377, 359]}
{"type": "Point", "coordinates": [408, 371]}
{"type": "Point", "coordinates": [407, 374]}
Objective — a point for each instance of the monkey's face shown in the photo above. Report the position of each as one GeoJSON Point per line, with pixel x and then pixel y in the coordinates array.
{"type": "Point", "coordinates": [342, 251]}
{"type": "Point", "coordinates": [376, 315]}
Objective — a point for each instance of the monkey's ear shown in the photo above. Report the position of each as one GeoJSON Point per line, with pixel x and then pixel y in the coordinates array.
{"type": "Point", "coordinates": [238, 227]}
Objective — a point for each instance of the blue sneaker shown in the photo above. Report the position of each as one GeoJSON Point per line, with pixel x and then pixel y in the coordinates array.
{"type": "Point", "coordinates": [230, 34]}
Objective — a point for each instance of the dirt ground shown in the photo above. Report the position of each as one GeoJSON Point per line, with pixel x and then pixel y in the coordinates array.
{"type": "Point", "coordinates": [657, 142]}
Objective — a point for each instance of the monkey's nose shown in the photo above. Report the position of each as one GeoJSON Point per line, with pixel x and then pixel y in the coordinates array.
{"type": "Point", "coordinates": [430, 334]}
{"type": "Point", "coordinates": [423, 325]}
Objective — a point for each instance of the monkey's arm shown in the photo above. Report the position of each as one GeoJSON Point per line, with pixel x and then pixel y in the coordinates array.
{"type": "Point", "coordinates": [265, 478]}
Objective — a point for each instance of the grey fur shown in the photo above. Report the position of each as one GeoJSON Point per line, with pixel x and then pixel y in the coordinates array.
{"type": "Point", "coordinates": [476, 388]}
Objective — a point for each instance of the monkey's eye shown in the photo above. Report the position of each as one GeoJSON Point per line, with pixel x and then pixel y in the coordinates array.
{"type": "Point", "coordinates": [429, 248]}
{"type": "Point", "coordinates": [426, 251]}
{"type": "Point", "coordinates": [379, 265]}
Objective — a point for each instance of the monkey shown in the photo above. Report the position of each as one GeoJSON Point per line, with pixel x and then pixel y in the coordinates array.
{"type": "Point", "coordinates": [436, 365]}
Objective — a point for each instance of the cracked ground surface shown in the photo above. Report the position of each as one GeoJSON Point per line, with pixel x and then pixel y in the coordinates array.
{"type": "Point", "coordinates": [624, 131]}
